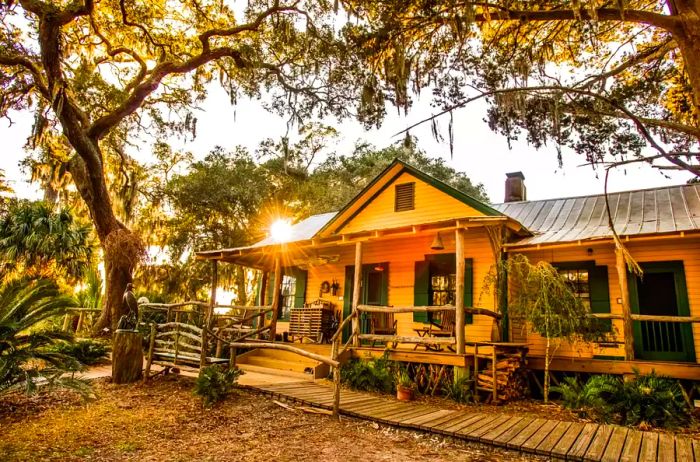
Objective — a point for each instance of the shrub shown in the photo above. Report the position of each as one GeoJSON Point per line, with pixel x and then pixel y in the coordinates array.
{"type": "Point", "coordinates": [459, 390]}
{"type": "Point", "coordinates": [369, 375]}
{"type": "Point", "coordinates": [215, 383]}
{"type": "Point", "coordinates": [87, 352]}
{"type": "Point", "coordinates": [646, 400]}
{"type": "Point", "coordinates": [27, 357]}
{"type": "Point", "coordinates": [655, 400]}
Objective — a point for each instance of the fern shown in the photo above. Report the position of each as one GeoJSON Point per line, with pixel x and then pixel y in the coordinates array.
{"type": "Point", "coordinates": [459, 390]}
{"type": "Point", "coordinates": [369, 375]}
{"type": "Point", "coordinates": [215, 383]}
{"type": "Point", "coordinates": [654, 400]}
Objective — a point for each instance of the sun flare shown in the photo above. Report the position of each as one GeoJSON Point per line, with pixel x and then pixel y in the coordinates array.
{"type": "Point", "coordinates": [281, 230]}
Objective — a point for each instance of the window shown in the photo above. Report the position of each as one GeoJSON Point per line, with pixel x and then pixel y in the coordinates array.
{"type": "Point", "coordinates": [289, 289]}
{"type": "Point", "coordinates": [442, 289]}
{"type": "Point", "coordinates": [579, 283]}
{"type": "Point", "coordinates": [405, 198]}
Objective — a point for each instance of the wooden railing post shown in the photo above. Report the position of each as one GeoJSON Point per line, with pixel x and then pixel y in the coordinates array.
{"type": "Point", "coordinates": [210, 311]}
{"type": "Point", "coordinates": [627, 330]}
{"type": "Point", "coordinates": [459, 291]}
{"type": "Point", "coordinates": [276, 295]}
{"type": "Point", "coordinates": [149, 355]}
{"type": "Point", "coordinates": [263, 295]}
{"type": "Point", "coordinates": [356, 291]}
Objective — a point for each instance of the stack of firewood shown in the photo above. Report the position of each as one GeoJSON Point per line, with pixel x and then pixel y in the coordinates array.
{"type": "Point", "coordinates": [511, 378]}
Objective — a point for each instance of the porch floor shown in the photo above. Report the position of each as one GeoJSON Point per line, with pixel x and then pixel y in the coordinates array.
{"type": "Point", "coordinates": [556, 439]}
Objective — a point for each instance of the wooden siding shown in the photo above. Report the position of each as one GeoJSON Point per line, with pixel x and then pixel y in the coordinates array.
{"type": "Point", "coordinates": [684, 249]}
{"type": "Point", "coordinates": [401, 255]}
{"type": "Point", "coordinates": [431, 205]}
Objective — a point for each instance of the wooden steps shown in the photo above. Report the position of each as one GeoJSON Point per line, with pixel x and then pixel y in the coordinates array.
{"type": "Point", "coordinates": [550, 438]}
{"type": "Point", "coordinates": [278, 362]}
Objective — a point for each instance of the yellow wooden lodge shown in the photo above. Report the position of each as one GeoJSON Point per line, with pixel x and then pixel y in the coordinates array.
{"type": "Point", "coordinates": [401, 267]}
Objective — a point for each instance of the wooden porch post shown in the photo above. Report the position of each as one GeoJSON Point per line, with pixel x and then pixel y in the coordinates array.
{"type": "Point", "coordinates": [357, 278]}
{"type": "Point", "coordinates": [263, 295]}
{"type": "Point", "coordinates": [209, 313]}
{"type": "Point", "coordinates": [276, 295]}
{"type": "Point", "coordinates": [459, 291]}
{"type": "Point", "coordinates": [625, 296]}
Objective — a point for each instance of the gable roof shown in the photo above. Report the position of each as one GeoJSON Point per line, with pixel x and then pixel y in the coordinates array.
{"type": "Point", "coordinates": [646, 211]}
{"type": "Point", "coordinates": [384, 180]}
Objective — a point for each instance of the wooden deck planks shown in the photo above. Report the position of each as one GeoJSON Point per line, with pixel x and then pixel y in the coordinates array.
{"type": "Point", "coordinates": [684, 450]}
{"type": "Point", "coordinates": [498, 431]}
{"type": "Point", "coordinates": [547, 445]}
{"type": "Point", "coordinates": [580, 446]}
{"type": "Point", "coordinates": [615, 445]}
{"type": "Point", "coordinates": [536, 438]}
{"type": "Point", "coordinates": [561, 449]}
{"type": "Point", "coordinates": [524, 435]}
{"type": "Point", "coordinates": [573, 441]}
{"type": "Point", "coordinates": [512, 432]}
{"type": "Point", "coordinates": [650, 444]}
{"type": "Point", "coordinates": [630, 452]}
{"type": "Point", "coordinates": [666, 449]}
{"type": "Point", "coordinates": [597, 447]}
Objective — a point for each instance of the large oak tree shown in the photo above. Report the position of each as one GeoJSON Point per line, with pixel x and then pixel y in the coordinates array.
{"type": "Point", "coordinates": [615, 80]}
{"type": "Point", "coordinates": [99, 74]}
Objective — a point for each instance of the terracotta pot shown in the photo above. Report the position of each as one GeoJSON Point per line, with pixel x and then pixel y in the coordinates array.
{"type": "Point", "coordinates": [404, 394]}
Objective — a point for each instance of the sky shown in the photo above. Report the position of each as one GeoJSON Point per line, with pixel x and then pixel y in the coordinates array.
{"type": "Point", "coordinates": [483, 155]}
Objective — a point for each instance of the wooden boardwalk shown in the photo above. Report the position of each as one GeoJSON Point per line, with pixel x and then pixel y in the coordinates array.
{"type": "Point", "coordinates": [556, 439]}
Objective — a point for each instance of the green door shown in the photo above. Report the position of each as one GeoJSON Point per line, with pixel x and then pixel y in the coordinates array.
{"type": "Point", "coordinates": [661, 291]}
{"type": "Point", "coordinates": [375, 290]}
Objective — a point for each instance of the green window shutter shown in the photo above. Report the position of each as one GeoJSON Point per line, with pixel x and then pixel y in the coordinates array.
{"type": "Point", "coordinates": [600, 294]}
{"type": "Point", "coordinates": [300, 292]}
{"type": "Point", "coordinates": [347, 300]}
{"type": "Point", "coordinates": [421, 289]}
{"type": "Point", "coordinates": [469, 288]}
{"type": "Point", "coordinates": [257, 290]}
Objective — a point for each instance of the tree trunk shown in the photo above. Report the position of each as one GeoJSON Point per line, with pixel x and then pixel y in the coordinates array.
{"type": "Point", "coordinates": [127, 356]}
{"type": "Point", "coordinates": [121, 248]}
{"type": "Point", "coordinates": [545, 391]}
{"type": "Point", "coordinates": [688, 39]}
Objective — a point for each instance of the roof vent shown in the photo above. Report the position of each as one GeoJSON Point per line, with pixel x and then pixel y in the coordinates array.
{"type": "Point", "coordinates": [405, 198]}
{"type": "Point", "coordinates": [515, 187]}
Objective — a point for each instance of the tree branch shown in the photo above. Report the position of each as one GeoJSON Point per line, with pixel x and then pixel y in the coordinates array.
{"type": "Point", "coordinates": [639, 124]}
{"type": "Point", "coordinates": [150, 84]}
{"type": "Point", "coordinates": [29, 66]}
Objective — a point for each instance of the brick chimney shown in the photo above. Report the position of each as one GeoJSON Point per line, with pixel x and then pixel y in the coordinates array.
{"type": "Point", "coordinates": [515, 187]}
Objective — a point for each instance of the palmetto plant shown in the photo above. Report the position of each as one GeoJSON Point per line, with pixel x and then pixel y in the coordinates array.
{"type": "Point", "coordinates": [38, 241]}
{"type": "Point", "coordinates": [27, 354]}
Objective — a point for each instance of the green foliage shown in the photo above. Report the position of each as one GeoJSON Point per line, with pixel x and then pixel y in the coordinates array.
{"type": "Point", "coordinates": [645, 400]}
{"type": "Point", "coordinates": [459, 390]}
{"type": "Point", "coordinates": [87, 352]}
{"type": "Point", "coordinates": [654, 400]}
{"type": "Point", "coordinates": [215, 383]}
{"type": "Point", "coordinates": [37, 241]}
{"type": "Point", "coordinates": [27, 352]}
{"type": "Point", "coordinates": [403, 379]}
{"type": "Point", "coordinates": [376, 374]}
{"type": "Point", "coordinates": [91, 294]}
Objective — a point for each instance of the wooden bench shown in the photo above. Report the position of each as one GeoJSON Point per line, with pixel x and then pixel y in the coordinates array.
{"type": "Point", "coordinates": [177, 345]}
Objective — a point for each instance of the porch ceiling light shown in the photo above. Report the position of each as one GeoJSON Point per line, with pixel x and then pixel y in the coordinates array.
{"type": "Point", "coordinates": [437, 243]}
{"type": "Point", "coordinates": [281, 230]}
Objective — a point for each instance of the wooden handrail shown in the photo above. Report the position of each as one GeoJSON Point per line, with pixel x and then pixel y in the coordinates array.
{"type": "Point", "coordinates": [173, 305]}
{"type": "Point", "coordinates": [285, 347]}
{"type": "Point", "coordinates": [417, 340]}
{"type": "Point", "coordinates": [425, 309]}
{"type": "Point", "coordinates": [648, 317]}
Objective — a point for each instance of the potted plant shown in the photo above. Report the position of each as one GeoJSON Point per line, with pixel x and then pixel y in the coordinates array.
{"type": "Point", "coordinates": [405, 388]}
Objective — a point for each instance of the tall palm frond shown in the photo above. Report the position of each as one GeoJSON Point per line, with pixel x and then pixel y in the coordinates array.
{"type": "Point", "coordinates": [39, 241]}
{"type": "Point", "coordinates": [26, 354]}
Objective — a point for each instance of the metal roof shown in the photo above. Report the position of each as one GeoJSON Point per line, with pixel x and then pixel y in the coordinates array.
{"type": "Point", "coordinates": [302, 231]}
{"type": "Point", "coordinates": [648, 211]}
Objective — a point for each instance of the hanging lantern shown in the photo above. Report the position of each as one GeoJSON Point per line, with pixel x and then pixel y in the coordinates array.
{"type": "Point", "coordinates": [437, 243]}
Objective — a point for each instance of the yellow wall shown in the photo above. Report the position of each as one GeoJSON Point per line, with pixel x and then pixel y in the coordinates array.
{"type": "Point", "coordinates": [431, 205]}
{"type": "Point", "coordinates": [402, 255]}
{"type": "Point", "coordinates": [685, 249]}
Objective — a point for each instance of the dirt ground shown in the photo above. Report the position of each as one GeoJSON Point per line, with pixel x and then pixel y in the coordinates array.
{"type": "Point", "coordinates": [163, 421]}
